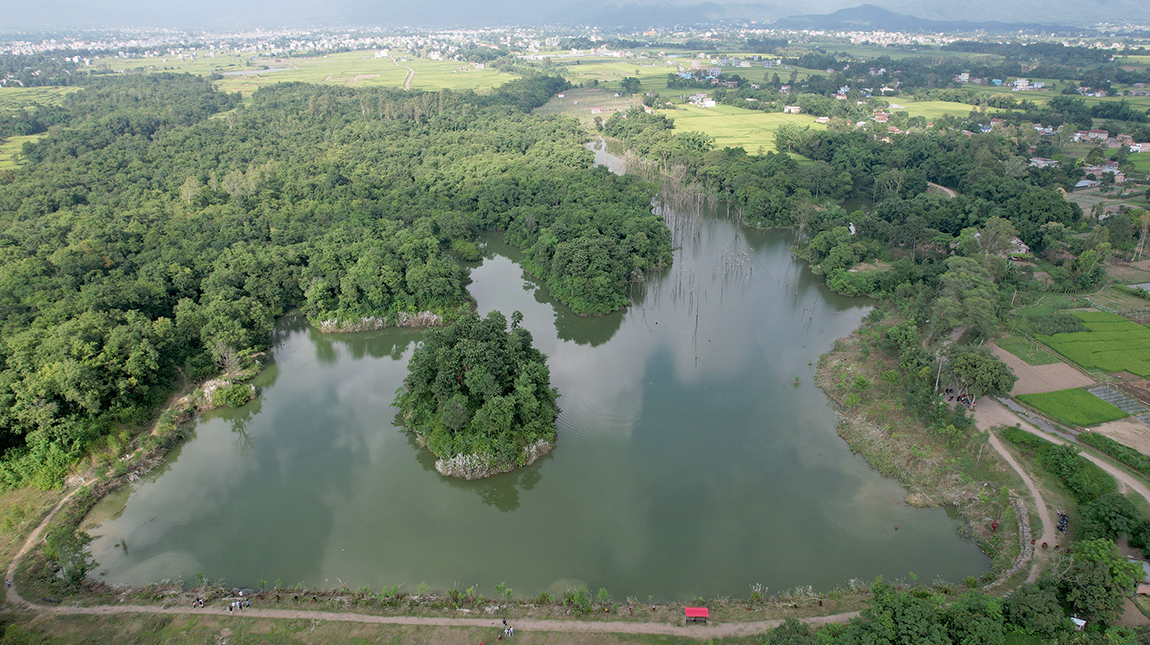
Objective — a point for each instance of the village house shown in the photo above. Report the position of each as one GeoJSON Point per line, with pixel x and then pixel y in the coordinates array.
{"type": "Point", "coordinates": [1042, 162]}
{"type": "Point", "coordinates": [792, 109]}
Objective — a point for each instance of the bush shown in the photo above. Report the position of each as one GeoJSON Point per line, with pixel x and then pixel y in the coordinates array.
{"type": "Point", "coordinates": [1128, 456]}
{"type": "Point", "coordinates": [1110, 516]}
{"type": "Point", "coordinates": [1034, 609]}
{"type": "Point", "coordinates": [233, 396]}
{"type": "Point", "coordinates": [1085, 481]}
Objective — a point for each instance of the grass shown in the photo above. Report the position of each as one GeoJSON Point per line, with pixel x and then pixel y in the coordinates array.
{"type": "Point", "coordinates": [610, 72]}
{"type": "Point", "coordinates": [1075, 407]}
{"type": "Point", "coordinates": [17, 98]}
{"type": "Point", "coordinates": [1051, 303]}
{"type": "Point", "coordinates": [737, 127]}
{"type": "Point", "coordinates": [350, 69]}
{"type": "Point", "coordinates": [931, 110]}
{"type": "Point", "coordinates": [1029, 351]}
{"type": "Point", "coordinates": [1113, 344]}
{"type": "Point", "coordinates": [10, 150]}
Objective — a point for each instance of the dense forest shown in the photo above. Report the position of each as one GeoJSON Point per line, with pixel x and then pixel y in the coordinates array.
{"type": "Point", "coordinates": [479, 397]}
{"type": "Point", "coordinates": [160, 227]}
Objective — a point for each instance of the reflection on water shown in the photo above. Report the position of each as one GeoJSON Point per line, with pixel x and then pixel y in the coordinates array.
{"type": "Point", "coordinates": [688, 462]}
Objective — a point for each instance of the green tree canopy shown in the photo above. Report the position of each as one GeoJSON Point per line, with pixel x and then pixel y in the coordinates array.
{"type": "Point", "coordinates": [479, 394]}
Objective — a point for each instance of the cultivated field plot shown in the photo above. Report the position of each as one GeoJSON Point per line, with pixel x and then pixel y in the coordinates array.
{"type": "Point", "coordinates": [610, 72]}
{"type": "Point", "coordinates": [358, 68]}
{"type": "Point", "coordinates": [1113, 344]}
{"type": "Point", "coordinates": [17, 98]}
{"type": "Point", "coordinates": [587, 103]}
{"type": "Point", "coordinates": [1030, 352]}
{"type": "Point", "coordinates": [736, 127]}
{"type": "Point", "coordinates": [931, 110]}
{"type": "Point", "coordinates": [10, 150]}
{"type": "Point", "coordinates": [1075, 407]}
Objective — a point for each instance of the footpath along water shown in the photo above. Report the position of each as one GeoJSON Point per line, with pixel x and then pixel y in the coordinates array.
{"type": "Point", "coordinates": [689, 463]}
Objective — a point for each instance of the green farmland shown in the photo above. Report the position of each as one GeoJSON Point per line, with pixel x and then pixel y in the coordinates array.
{"type": "Point", "coordinates": [1113, 344]}
{"type": "Point", "coordinates": [358, 69]}
{"type": "Point", "coordinates": [10, 149]}
{"type": "Point", "coordinates": [16, 98]}
{"type": "Point", "coordinates": [1074, 407]}
{"type": "Point", "coordinates": [931, 110]}
{"type": "Point", "coordinates": [736, 127]}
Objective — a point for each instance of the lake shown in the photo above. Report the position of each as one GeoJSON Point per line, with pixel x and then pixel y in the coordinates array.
{"type": "Point", "coordinates": [689, 461]}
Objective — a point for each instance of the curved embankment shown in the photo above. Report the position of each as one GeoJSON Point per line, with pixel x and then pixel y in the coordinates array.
{"type": "Point", "coordinates": [706, 631]}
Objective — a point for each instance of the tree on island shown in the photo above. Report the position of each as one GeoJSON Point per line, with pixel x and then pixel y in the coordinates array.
{"type": "Point", "coordinates": [479, 397]}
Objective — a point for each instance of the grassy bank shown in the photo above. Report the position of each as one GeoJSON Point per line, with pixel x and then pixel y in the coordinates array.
{"type": "Point", "coordinates": [939, 467]}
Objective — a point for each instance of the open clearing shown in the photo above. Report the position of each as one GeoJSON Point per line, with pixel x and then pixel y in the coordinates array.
{"type": "Point", "coordinates": [15, 98]}
{"type": "Point", "coordinates": [1128, 433]}
{"type": "Point", "coordinates": [1074, 407]}
{"type": "Point", "coordinates": [350, 69]}
{"type": "Point", "coordinates": [10, 149]}
{"type": "Point", "coordinates": [737, 127]}
{"type": "Point", "coordinates": [931, 110]}
{"type": "Point", "coordinates": [1029, 351]}
{"type": "Point", "coordinates": [1035, 379]}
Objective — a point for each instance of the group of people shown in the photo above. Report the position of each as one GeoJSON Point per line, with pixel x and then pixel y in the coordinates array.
{"type": "Point", "coordinates": [507, 631]}
{"type": "Point", "coordinates": [962, 398]}
{"type": "Point", "coordinates": [239, 604]}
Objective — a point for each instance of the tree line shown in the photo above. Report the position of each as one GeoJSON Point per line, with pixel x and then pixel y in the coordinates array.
{"type": "Point", "coordinates": [161, 227]}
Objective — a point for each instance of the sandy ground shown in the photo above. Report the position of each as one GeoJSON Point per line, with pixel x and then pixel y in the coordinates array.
{"type": "Point", "coordinates": [1033, 379]}
{"type": "Point", "coordinates": [1131, 617]}
{"type": "Point", "coordinates": [1127, 433]}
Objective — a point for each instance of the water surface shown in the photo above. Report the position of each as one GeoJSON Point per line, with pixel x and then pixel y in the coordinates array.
{"type": "Point", "coordinates": [689, 462]}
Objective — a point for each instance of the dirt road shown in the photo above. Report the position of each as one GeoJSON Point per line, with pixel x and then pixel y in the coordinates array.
{"type": "Point", "coordinates": [410, 74]}
{"type": "Point", "coordinates": [991, 413]}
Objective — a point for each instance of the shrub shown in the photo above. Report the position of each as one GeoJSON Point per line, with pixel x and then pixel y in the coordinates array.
{"type": "Point", "coordinates": [1124, 454]}
{"type": "Point", "coordinates": [233, 396]}
{"type": "Point", "coordinates": [1110, 516]}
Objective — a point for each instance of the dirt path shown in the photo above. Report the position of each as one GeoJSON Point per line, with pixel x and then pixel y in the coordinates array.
{"type": "Point", "coordinates": [410, 74]}
{"type": "Point", "coordinates": [1126, 481]}
{"type": "Point", "coordinates": [991, 413]}
{"type": "Point", "coordinates": [950, 192]}
{"type": "Point", "coordinates": [1034, 379]}
{"type": "Point", "coordinates": [707, 631]}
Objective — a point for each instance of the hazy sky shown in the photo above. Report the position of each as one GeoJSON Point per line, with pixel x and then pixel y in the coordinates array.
{"type": "Point", "coordinates": [225, 14]}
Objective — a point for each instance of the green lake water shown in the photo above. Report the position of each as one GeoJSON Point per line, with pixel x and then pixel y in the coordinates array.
{"type": "Point", "coordinates": [688, 462]}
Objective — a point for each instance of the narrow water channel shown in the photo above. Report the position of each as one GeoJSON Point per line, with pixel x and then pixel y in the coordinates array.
{"type": "Point", "coordinates": [689, 462]}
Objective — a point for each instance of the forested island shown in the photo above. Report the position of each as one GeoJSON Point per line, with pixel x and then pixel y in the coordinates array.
{"type": "Point", "coordinates": [479, 397]}
{"type": "Point", "coordinates": [161, 227]}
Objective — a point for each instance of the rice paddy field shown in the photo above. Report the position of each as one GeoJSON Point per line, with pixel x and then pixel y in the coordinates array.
{"type": "Point", "coordinates": [610, 71]}
{"type": "Point", "coordinates": [1113, 344]}
{"type": "Point", "coordinates": [1075, 407]}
